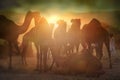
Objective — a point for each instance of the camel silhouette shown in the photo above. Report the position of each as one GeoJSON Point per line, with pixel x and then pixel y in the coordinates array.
{"type": "Point", "coordinates": [10, 32]}
{"type": "Point", "coordinates": [93, 32]}
{"type": "Point", "coordinates": [74, 35]}
{"type": "Point", "coordinates": [60, 35]}
{"type": "Point", "coordinates": [82, 62]}
{"type": "Point", "coordinates": [41, 36]}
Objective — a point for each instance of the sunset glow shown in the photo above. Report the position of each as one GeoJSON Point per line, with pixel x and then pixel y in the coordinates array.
{"type": "Point", "coordinates": [53, 19]}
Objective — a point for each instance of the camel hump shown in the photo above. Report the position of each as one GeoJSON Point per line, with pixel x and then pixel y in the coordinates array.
{"type": "Point", "coordinates": [95, 22]}
{"type": "Point", "coordinates": [93, 25]}
{"type": "Point", "coordinates": [5, 24]}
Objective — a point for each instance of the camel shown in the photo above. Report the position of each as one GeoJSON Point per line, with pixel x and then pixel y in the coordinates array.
{"type": "Point", "coordinates": [10, 32]}
{"type": "Point", "coordinates": [74, 35]}
{"type": "Point", "coordinates": [94, 33]}
{"type": "Point", "coordinates": [43, 43]}
{"type": "Point", "coordinates": [82, 62]}
{"type": "Point", "coordinates": [41, 36]}
{"type": "Point", "coordinates": [60, 35]}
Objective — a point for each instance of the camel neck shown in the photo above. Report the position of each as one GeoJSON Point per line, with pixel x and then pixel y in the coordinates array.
{"type": "Point", "coordinates": [26, 23]}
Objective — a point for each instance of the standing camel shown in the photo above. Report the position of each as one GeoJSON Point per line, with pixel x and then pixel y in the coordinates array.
{"type": "Point", "coordinates": [60, 35]}
{"type": "Point", "coordinates": [74, 35]}
{"type": "Point", "coordinates": [10, 32]}
{"type": "Point", "coordinates": [94, 32]}
{"type": "Point", "coordinates": [41, 35]}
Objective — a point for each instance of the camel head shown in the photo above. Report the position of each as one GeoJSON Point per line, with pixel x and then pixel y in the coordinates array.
{"type": "Point", "coordinates": [43, 20]}
{"type": "Point", "coordinates": [62, 24]}
{"type": "Point", "coordinates": [29, 14]}
{"type": "Point", "coordinates": [34, 13]}
{"type": "Point", "coordinates": [76, 23]}
{"type": "Point", "coordinates": [37, 17]}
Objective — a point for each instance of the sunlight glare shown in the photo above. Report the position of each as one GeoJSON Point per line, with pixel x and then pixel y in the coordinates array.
{"type": "Point", "coordinates": [53, 19]}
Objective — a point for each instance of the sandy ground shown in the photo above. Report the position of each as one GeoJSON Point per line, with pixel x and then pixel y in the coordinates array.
{"type": "Point", "coordinates": [27, 72]}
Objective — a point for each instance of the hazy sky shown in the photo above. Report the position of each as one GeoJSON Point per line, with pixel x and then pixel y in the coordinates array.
{"type": "Point", "coordinates": [74, 7]}
{"type": "Point", "coordinates": [60, 5]}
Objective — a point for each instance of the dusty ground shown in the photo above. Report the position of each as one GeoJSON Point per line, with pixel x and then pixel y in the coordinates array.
{"type": "Point", "coordinates": [27, 72]}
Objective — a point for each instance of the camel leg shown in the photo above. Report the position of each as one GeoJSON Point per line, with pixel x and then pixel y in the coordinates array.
{"type": "Point", "coordinates": [10, 55]}
{"type": "Point", "coordinates": [23, 53]}
{"type": "Point", "coordinates": [68, 49]}
{"type": "Point", "coordinates": [109, 53]}
{"type": "Point", "coordinates": [77, 47]}
{"type": "Point", "coordinates": [83, 44]}
{"type": "Point", "coordinates": [110, 63]}
{"type": "Point", "coordinates": [38, 57]}
{"type": "Point", "coordinates": [72, 48]}
{"type": "Point", "coordinates": [99, 52]}
{"type": "Point", "coordinates": [90, 47]}
{"type": "Point", "coordinates": [51, 66]}
{"type": "Point", "coordinates": [25, 44]}
{"type": "Point", "coordinates": [23, 56]}
{"type": "Point", "coordinates": [44, 51]}
{"type": "Point", "coordinates": [17, 48]}
{"type": "Point", "coordinates": [45, 58]}
{"type": "Point", "coordinates": [51, 51]}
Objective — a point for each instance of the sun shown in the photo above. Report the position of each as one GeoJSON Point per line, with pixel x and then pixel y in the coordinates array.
{"type": "Point", "coordinates": [53, 19]}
